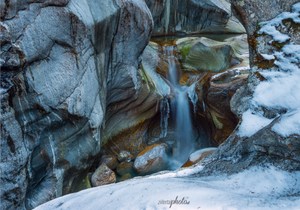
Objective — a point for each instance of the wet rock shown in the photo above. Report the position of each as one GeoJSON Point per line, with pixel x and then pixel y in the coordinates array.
{"type": "Point", "coordinates": [204, 54]}
{"type": "Point", "coordinates": [198, 156]}
{"type": "Point", "coordinates": [188, 16]}
{"type": "Point", "coordinates": [125, 177]}
{"type": "Point", "coordinates": [110, 160]}
{"type": "Point", "coordinates": [102, 176]}
{"type": "Point", "coordinates": [152, 159]}
{"type": "Point", "coordinates": [130, 100]}
{"type": "Point", "coordinates": [125, 156]}
{"type": "Point", "coordinates": [215, 112]}
{"type": "Point", "coordinates": [125, 168]}
{"type": "Point", "coordinates": [132, 140]}
{"type": "Point", "coordinates": [82, 182]}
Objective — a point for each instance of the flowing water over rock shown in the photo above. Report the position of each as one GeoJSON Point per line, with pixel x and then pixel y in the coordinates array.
{"type": "Point", "coordinates": [185, 135]}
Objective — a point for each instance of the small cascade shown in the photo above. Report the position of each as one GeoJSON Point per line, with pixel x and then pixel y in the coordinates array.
{"type": "Point", "coordinates": [180, 110]}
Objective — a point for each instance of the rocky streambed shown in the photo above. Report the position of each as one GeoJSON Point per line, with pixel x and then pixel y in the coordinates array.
{"type": "Point", "coordinates": [88, 95]}
{"type": "Point", "coordinates": [194, 79]}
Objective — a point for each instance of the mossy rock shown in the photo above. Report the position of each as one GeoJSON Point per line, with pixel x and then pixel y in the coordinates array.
{"type": "Point", "coordinates": [204, 54]}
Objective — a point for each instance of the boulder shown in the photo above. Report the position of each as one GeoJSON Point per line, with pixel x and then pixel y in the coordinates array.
{"type": "Point", "coordinates": [205, 54]}
{"type": "Point", "coordinates": [103, 176]}
{"type": "Point", "coordinates": [152, 159]}
{"type": "Point", "coordinates": [198, 156]}
{"type": "Point", "coordinates": [125, 168]}
{"type": "Point", "coordinates": [110, 160]}
{"type": "Point", "coordinates": [125, 177]}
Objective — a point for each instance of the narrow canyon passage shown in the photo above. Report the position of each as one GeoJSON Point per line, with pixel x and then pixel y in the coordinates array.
{"type": "Point", "coordinates": [109, 92]}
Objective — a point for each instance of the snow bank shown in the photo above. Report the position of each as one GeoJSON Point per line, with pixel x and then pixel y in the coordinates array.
{"type": "Point", "coordinates": [256, 188]}
{"type": "Point", "coordinates": [281, 89]}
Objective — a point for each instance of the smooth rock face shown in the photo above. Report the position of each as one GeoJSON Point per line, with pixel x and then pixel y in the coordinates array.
{"type": "Point", "coordinates": [129, 101]}
{"type": "Point", "coordinates": [64, 63]}
{"type": "Point", "coordinates": [189, 16]}
{"type": "Point", "coordinates": [152, 159]}
{"type": "Point", "coordinates": [102, 176]}
{"type": "Point", "coordinates": [204, 54]}
{"type": "Point", "coordinates": [216, 94]}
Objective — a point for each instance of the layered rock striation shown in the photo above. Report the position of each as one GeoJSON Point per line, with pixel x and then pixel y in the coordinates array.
{"type": "Point", "coordinates": [186, 17]}
{"type": "Point", "coordinates": [64, 65]}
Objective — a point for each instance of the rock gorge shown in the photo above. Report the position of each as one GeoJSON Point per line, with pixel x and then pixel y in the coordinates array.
{"type": "Point", "coordinates": [82, 86]}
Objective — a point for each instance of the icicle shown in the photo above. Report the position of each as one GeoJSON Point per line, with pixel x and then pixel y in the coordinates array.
{"type": "Point", "coordinates": [164, 117]}
{"type": "Point", "coordinates": [203, 106]}
{"type": "Point", "coordinates": [193, 96]}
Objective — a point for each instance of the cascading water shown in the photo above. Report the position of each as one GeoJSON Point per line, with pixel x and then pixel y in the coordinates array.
{"type": "Point", "coordinates": [180, 110]}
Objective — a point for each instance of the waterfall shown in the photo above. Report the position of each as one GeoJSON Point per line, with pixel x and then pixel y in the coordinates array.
{"type": "Point", "coordinates": [180, 109]}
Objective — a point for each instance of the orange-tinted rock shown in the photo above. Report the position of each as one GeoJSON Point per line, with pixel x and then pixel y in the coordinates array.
{"type": "Point", "coordinates": [125, 168]}
{"type": "Point", "coordinates": [132, 140]}
{"type": "Point", "coordinates": [152, 159]}
{"type": "Point", "coordinates": [198, 156]}
{"type": "Point", "coordinates": [102, 176]}
{"type": "Point", "coordinates": [215, 110]}
{"type": "Point", "coordinates": [110, 160]}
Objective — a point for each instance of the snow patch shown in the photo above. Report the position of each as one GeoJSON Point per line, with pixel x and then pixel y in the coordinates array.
{"type": "Point", "coordinates": [251, 123]}
{"type": "Point", "coordinates": [268, 57]}
{"type": "Point", "coordinates": [280, 91]}
{"type": "Point", "coordinates": [289, 124]}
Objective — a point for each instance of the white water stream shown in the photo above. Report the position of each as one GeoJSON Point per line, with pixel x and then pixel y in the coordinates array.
{"type": "Point", "coordinates": [181, 113]}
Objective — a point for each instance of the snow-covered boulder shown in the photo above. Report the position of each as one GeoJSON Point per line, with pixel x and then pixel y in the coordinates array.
{"type": "Point", "coordinates": [199, 155]}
